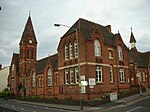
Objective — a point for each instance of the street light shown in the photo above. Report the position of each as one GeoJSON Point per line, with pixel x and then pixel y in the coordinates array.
{"type": "Point", "coordinates": [76, 30]}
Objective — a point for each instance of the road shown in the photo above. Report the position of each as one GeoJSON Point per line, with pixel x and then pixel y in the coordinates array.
{"type": "Point", "coordinates": [20, 107]}
{"type": "Point", "coordinates": [135, 106]}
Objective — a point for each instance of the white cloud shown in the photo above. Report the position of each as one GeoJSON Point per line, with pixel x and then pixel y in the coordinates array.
{"type": "Point", "coordinates": [121, 14]}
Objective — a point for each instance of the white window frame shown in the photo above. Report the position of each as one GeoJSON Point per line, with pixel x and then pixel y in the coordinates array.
{"type": "Point", "coordinates": [120, 54]}
{"type": "Point", "coordinates": [143, 74]}
{"type": "Point", "coordinates": [66, 51]}
{"type": "Point", "coordinates": [75, 49]}
{"type": "Point", "coordinates": [110, 52]}
{"type": "Point", "coordinates": [66, 76]}
{"type": "Point", "coordinates": [49, 77]}
{"type": "Point", "coordinates": [39, 81]}
{"type": "Point", "coordinates": [77, 74]}
{"type": "Point", "coordinates": [71, 50]}
{"type": "Point", "coordinates": [99, 75]}
{"type": "Point", "coordinates": [71, 76]}
{"type": "Point", "coordinates": [33, 79]}
{"type": "Point", "coordinates": [121, 72]}
{"type": "Point", "coordinates": [97, 48]}
{"type": "Point", "coordinates": [111, 74]}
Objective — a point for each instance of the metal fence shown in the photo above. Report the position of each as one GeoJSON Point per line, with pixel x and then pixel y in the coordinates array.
{"type": "Point", "coordinates": [3, 109]}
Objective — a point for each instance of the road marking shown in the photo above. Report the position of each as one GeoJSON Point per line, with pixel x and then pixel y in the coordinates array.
{"type": "Point", "coordinates": [134, 109]}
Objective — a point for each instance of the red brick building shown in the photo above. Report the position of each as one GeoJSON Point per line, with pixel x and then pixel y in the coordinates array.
{"type": "Point", "coordinates": [105, 62]}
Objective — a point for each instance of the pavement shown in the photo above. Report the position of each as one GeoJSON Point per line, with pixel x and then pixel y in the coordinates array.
{"type": "Point", "coordinates": [122, 101]}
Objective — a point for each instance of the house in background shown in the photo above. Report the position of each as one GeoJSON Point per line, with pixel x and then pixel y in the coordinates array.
{"type": "Point", "coordinates": [4, 73]}
{"type": "Point", "coordinates": [104, 59]}
{"type": "Point", "coordinates": [139, 65]}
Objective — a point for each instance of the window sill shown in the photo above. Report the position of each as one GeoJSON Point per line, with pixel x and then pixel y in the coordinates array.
{"type": "Point", "coordinates": [111, 58]}
{"type": "Point", "coordinates": [100, 83]}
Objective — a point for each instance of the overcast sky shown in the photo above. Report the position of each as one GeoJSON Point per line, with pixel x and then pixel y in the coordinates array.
{"type": "Point", "coordinates": [120, 14]}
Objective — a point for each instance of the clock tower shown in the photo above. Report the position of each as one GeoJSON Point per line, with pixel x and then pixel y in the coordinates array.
{"type": "Point", "coordinates": [28, 49]}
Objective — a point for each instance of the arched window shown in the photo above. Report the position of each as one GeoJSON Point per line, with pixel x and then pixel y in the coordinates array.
{"type": "Point", "coordinates": [33, 79]}
{"type": "Point", "coordinates": [75, 49]}
{"type": "Point", "coordinates": [97, 48]}
{"type": "Point", "coordinates": [49, 77]}
{"type": "Point", "coordinates": [71, 50]}
{"type": "Point", "coordinates": [120, 55]}
{"type": "Point", "coordinates": [13, 70]}
{"type": "Point", "coordinates": [66, 51]}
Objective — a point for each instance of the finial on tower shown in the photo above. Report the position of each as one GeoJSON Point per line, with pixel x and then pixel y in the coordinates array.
{"type": "Point", "coordinates": [131, 28]}
{"type": "Point", "coordinates": [29, 13]}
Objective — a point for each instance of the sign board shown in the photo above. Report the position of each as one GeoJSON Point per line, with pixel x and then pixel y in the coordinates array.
{"type": "Point", "coordinates": [84, 83]}
{"type": "Point", "coordinates": [91, 81]}
{"type": "Point", "coordinates": [113, 96]}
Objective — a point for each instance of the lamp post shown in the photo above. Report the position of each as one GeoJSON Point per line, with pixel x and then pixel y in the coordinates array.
{"type": "Point", "coordinates": [76, 30]}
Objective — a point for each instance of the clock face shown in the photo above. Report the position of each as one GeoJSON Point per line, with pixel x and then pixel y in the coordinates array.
{"type": "Point", "coordinates": [30, 41]}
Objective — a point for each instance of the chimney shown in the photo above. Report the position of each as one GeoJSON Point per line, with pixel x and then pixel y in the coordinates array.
{"type": "Point", "coordinates": [0, 66]}
{"type": "Point", "coordinates": [108, 27]}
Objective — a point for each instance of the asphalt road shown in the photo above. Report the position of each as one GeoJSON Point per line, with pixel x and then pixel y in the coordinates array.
{"type": "Point", "coordinates": [26, 107]}
{"type": "Point", "coordinates": [135, 106]}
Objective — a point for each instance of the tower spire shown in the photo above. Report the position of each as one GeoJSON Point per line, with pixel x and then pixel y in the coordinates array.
{"type": "Point", "coordinates": [132, 40]}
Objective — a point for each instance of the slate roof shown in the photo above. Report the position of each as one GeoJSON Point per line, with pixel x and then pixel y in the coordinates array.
{"type": "Point", "coordinates": [132, 39]}
{"type": "Point", "coordinates": [142, 59]}
{"type": "Point", "coordinates": [87, 29]}
{"type": "Point", "coordinates": [41, 64]}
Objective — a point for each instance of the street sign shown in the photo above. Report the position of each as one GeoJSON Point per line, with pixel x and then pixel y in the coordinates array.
{"type": "Point", "coordinates": [113, 96]}
{"type": "Point", "coordinates": [91, 81]}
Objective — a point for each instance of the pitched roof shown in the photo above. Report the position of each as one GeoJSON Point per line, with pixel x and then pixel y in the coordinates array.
{"type": "Point", "coordinates": [28, 32]}
{"type": "Point", "coordinates": [132, 39]}
{"type": "Point", "coordinates": [87, 28]}
{"type": "Point", "coordinates": [142, 59]}
{"type": "Point", "coordinates": [41, 64]}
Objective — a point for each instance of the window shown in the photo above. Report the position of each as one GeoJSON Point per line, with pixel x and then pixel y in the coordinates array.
{"type": "Point", "coordinates": [42, 81]}
{"type": "Point", "coordinates": [66, 52]}
{"type": "Point", "coordinates": [31, 54]}
{"type": "Point", "coordinates": [97, 48]}
{"type": "Point", "coordinates": [33, 79]}
{"type": "Point", "coordinates": [140, 76]}
{"type": "Point", "coordinates": [71, 50]}
{"type": "Point", "coordinates": [143, 74]}
{"type": "Point", "coordinates": [98, 74]}
{"type": "Point", "coordinates": [111, 74]}
{"type": "Point", "coordinates": [39, 81]}
{"type": "Point", "coordinates": [71, 76]}
{"type": "Point", "coordinates": [75, 48]}
{"type": "Point", "coordinates": [120, 55]}
{"type": "Point", "coordinates": [77, 74]}
{"type": "Point", "coordinates": [66, 76]}
{"type": "Point", "coordinates": [121, 72]}
{"type": "Point", "coordinates": [49, 77]}
{"type": "Point", "coordinates": [110, 53]}
{"type": "Point", "coordinates": [13, 70]}
{"type": "Point", "coordinates": [57, 79]}
{"type": "Point", "coordinates": [27, 54]}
